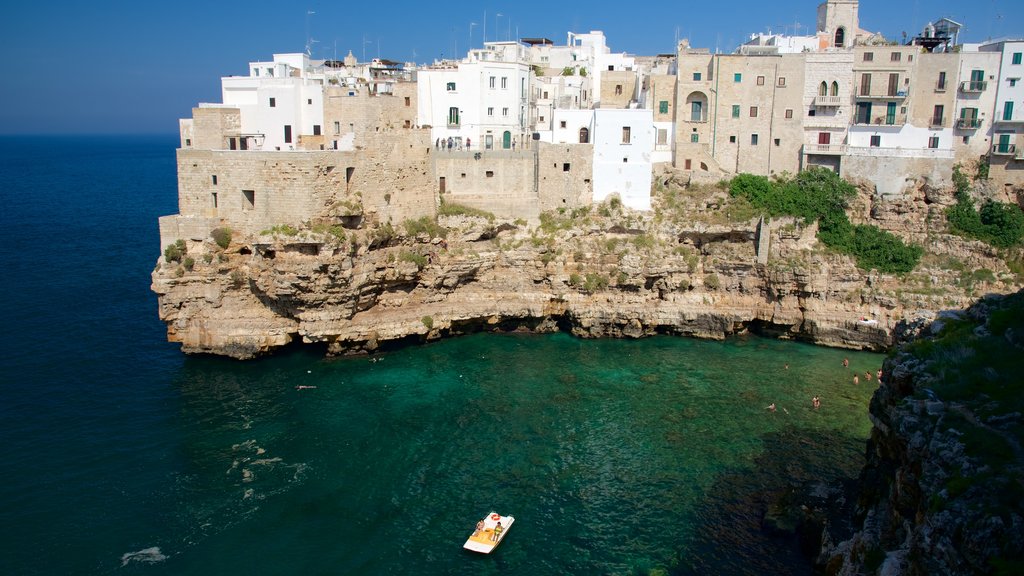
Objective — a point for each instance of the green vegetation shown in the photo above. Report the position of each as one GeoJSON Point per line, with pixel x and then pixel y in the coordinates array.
{"type": "Point", "coordinates": [416, 258]}
{"type": "Point", "coordinates": [453, 209]}
{"type": "Point", "coordinates": [425, 225]}
{"type": "Point", "coordinates": [820, 194]}
{"type": "Point", "coordinates": [568, 71]}
{"type": "Point", "coordinates": [574, 279]}
{"type": "Point", "coordinates": [595, 282]}
{"type": "Point", "coordinates": [712, 282]}
{"type": "Point", "coordinates": [997, 224]}
{"type": "Point", "coordinates": [238, 278]}
{"type": "Point", "coordinates": [189, 263]}
{"type": "Point", "coordinates": [222, 236]}
{"type": "Point", "coordinates": [537, 70]}
{"type": "Point", "coordinates": [175, 252]}
{"type": "Point", "coordinates": [283, 229]}
{"type": "Point", "coordinates": [428, 322]}
{"type": "Point", "coordinates": [335, 230]}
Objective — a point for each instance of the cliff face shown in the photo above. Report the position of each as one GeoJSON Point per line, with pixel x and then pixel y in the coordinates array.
{"type": "Point", "coordinates": [942, 490]}
{"type": "Point", "coordinates": [694, 266]}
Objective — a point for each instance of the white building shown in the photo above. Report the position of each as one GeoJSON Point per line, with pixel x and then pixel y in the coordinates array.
{"type": "Point", "coordinates": [279, 101]}
{"type": "Point", "coordinates": [1008, 115]}
{"type": "Point", "coordinates": [482, 98]}
{"type": "Point", "coordinates": [623, 144]}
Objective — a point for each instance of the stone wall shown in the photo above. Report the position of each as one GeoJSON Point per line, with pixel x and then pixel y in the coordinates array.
{"type": "Point", "coordinates": [499, 181]}
{"type": "Point", "coordinates": [895, 176]}
{"type": "Point", "coordinates": [211, 127]}
{"type": "Point", "coordinates": [391, 180]}
{"type": "Point", "coordinates": [617, 88]}
{"type": "Point", "coordinates": [355, 118]}
{"type": "Point", "coordinates": [564, 175]}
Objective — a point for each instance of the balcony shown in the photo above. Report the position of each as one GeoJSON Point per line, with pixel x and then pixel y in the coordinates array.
{"type": "Point", "coordinates": [828, 149]}
{"type": "Point", "coordinates": [968, 123]}
{"type": "Point", "coordinates": [828, 101]}
{"type": "Point", "coordinates": [891, 95]}
{"type": "Point", "coordinates": [973, 86]}
{"type": "Point", "coordinates": [1004, 149]}
{"type": "Point", "coordinates": [937, 122]}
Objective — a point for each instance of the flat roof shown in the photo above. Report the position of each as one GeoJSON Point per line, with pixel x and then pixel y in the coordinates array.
{"type": "Point", "coordinates": [535, 41]}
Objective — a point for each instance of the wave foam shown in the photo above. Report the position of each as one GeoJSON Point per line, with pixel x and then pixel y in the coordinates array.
{"type": "Point", "coordinates": [146, 555]}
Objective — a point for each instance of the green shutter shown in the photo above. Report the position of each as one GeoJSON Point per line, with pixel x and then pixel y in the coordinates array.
{"type": "Point", "coordinates": [737, 77]}
{"type": "Point", "coordinates": [736, 111]}
{"type": "Point", "coordinates": [1008, 111]}
{"type": "Point", "coordinates": [694, 138]}
{"type": "Point", "coordinates": [1016, 57]}
{"type": "Point", "coordinates": [663, 107]}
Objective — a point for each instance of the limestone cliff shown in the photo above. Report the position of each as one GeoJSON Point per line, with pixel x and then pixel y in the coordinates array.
{"type": "Point", "coordinates": [942, 490]}
{"type": "Point", "coordinates": [697, 265]}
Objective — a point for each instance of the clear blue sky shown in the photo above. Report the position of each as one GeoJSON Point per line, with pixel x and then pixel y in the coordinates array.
{"type": "Point", "coordinates": [136, 67]}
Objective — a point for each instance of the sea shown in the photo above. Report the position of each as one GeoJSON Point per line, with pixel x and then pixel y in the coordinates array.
{"type": "Point", "coordinates": [121, 455]}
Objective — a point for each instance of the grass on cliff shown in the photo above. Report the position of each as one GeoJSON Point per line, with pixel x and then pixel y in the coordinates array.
{"type": "Point", "coordinates": [453, 209]}
{"type": "Point", "coordinates": [996, 223]}
{"type": "Point", "coordinates": [820, 194]}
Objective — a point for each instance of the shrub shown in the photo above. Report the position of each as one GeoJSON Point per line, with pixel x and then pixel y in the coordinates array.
{"type": "Point", "coordinates": [712, 282]}
{"type": "Point", "coordinates": [222, 236]}
{"type": "Point", "coordinates": [285, 229]}
{"type": "Point", "coordinates": [175, 252]}
{"type": "Point", "coordinates": [425, 224]}
{"type": "Point", "coordinates": [428, 322]}
{"type": "Point", "coordinates": [207, 257]}
{"type": "Point", "coordinates": [419, 259]}
{"type": "Point", "coordinates": [237, 278]}
{"type": "Point", "coordinates": [595, 282]}
{"type": "Point", "coordinates": [189, 263]}
{"type": "Point", "coordinates": [997, 224]}
{"type": "Point", "coordinates": [574, 279]}
{"type": "Point", "coordinates": [335, 230]}
{"type": "Point", "coordinates": [453, 209]}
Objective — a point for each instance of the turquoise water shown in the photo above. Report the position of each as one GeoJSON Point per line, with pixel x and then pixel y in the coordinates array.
{"type": "Point", "coordinates": [123, 456]}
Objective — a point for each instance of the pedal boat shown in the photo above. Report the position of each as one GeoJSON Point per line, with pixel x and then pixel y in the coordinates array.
{"type": "Point", "coordinates": [483, 541]}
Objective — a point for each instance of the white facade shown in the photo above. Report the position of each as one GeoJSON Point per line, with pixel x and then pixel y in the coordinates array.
{"type": "Point", "coordinates": [623, 143]}
{"type": "Point", "coordinates": [903, 141]}
{"type": "Point", "coordinates": [278, 102]}
{"type": "Point", "coordinates": [1008, 116]}
{"type": "Point", "coordinates": [483, 98]}
{"type": "Point", "coordinates": [975, 101]}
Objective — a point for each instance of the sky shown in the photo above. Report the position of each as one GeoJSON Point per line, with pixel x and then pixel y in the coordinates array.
{"type": "Point", "coordinates": [118, 67]}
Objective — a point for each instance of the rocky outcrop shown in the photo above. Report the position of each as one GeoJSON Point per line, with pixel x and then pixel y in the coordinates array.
{"type": "Point", "coordinates": [596, 273]}
{"type": "Point", "coordinates": [942, 489]}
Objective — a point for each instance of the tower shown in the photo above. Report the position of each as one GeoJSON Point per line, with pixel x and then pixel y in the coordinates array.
{"type": "Point", "coordinates": [837, 20]}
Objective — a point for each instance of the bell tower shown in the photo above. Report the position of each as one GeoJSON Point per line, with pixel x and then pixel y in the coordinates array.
{"type": "Point", "coordinates": [838, 22]}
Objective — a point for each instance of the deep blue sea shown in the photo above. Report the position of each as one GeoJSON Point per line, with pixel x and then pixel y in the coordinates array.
{"type": "Point", "coordinates": [122, 456]}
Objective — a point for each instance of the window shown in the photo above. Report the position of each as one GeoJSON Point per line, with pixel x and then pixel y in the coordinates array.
{"type": "Point", "coordinates": [565, 167]}
{"type": "Point", "coordinates": [863, 113]}
{"type": "Point", "coordinates": [662, 136]}
{"type": "Point", "coordinates": [689, 163]}
{"type": "Point", "coordinates": [782, 81]}
{"type": "Point", "coordinates": [584, 135]}
{"type": "Point", "coordinates": [895, 57]}
{"type": "Point", "coordinates": [894, 84]}
{"type": "Point", "coordinates": [760, 80]}
{"type": "Point", "coordinates": [504, 82]}
{"type": "Point", "coordinates": [753, 139]}
{"type": "Point", "coordinates": [732, 139]}
{"type": "Point", "coordinates": [561, 124]}
{"type": "Point", "coordinates": [316, 129]}
{"type": "Point", "coordinates": [835, 88]}
{"type": "Point", "coordinates": [778, 142]}
{"type": "Point", "coordinates": [694, 138]}
{"type": "Point", "coordinates": [663, 107]}
{"type": "Point", "coordinates": [625, 135]}
{"type": "Point", "coordinates": [213, 197]}
{"type": "Point", "coordinates": [504, 112]}
{"type": "Point", "coordinates": [840, 37]}
{"type": "Point", "coordinates": [213, 178]}
{"type": "Point", "coordinates": [865, 84]}
{"type": "Point", "coordinates": [287, 134]}
{"type": "Point", "coordinates": [1008, 111]}
{"type": "Point", "coordinates": [696, 76]}
{"type": "Point", "coordinates": [337, 127]}
{"type": "Point", "coordinates": [273, 102]}
{"type": "Point", "coordinates": [869, 56]}
{"type": "Point", "coordinates": [737, 77]}
{"type": "Point", "coordinates": [490, 84]}
{"type": "Point", "coordinates": [490, 110]}
{"type": "Point", "coordinates": [232, 144]}
{"type": "Point", "coordinates": [451, 86]}
{"type": "Point", "coordinates": [1013, 82]}
{"type": "Point", "coordinates": [890, 113]}
{"type": "Point", "coordinates": [1016, 57]}
{"type": "Point", "coordinates": [933, 142]}
{"type": "Point", "coordinates": [489, 174]}
{"type": "Point", "coordinates": [309, 101]}
{"type": "Point", "coordinates": [453, 116]}
{"type": "Point", "coordinates": [735, 110]}
{"type": "Point", "coordinates": [824, 138]}
{"type": "Point", "coordinates": [248, 199]}
{"type": "Point", "coordinates": [823, 89]}
{"type": "Point", "coordinates": [753, 111]}
{"type": "Point", "coordinates": [876, 141]}
{"type": "Point", "coordinates": [937, 117]}
{"type": "Point", "coordinates": [789, 113]}
{"type": "Point", "coordinates": [618, 89]}
{"type": "Point", "coordinates": [408, 101]}
{"type": "Point", "coordinates": [967, 139]}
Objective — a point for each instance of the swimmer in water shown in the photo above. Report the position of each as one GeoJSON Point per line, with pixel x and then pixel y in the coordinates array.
{"type": "Point", "coordinates": [856, 380]}
{"type": "Point", "coordinates": [301, 387]}
{"type": "Point", "coordinates": [816, 402]}
{"type": "Point", "coordinates": [771, 407]}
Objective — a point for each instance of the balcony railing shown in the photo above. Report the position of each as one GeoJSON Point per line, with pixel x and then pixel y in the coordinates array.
{"type": "Point", "coordinates": [897, 95]}
{"type": "Point", "coordinates": [973, 86]}
{"type": "Point", "coordinates": [937, 121]}
{"type": "Point", "coordinates": [1004, 149]}
{"type": "Point", "coordinates": [968, 123]}
{"type": "Point", "coordinates": [830, 101]}
{"type": "Point", "coordinates": [830, 149]}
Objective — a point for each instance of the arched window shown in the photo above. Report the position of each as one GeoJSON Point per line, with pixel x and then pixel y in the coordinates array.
{"type": "Point", "coordinates": [584, 136]}
{"type": "Point", "coordinates": [835, 88]}
{"type": "Point", "coordinates": [823, 89]}
{"type": "Point", "coordinates": [840, 37]}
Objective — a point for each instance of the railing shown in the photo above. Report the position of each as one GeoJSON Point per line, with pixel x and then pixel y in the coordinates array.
{"type": "Point", "coordinates": [827, 100]}
{"type": "Point", "coordinates": [968, 123]}
{"type": "Point", "coordinates": [1004, 149]}
{"type": "Point", "coordinates": [937, 121]}
{"type": "Point", "coordinates": [898, 95]}
{"type": "Point", "coordinates": [832, 149]}
{"type": "Point", "coordinates": [698, 121]}
{"type": "Point", "coordinates": [973, 86]}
